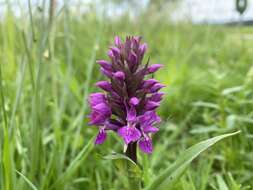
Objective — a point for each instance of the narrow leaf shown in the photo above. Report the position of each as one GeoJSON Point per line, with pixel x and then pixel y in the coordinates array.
{"type": "Point", "coordinates": [28, 181]}
{"type": "Point", "coordinates": [171, 175]}
{"type": "Point", "coordinates": [116, 156]}
{"type": "Point", "coordinates": [74, 164]}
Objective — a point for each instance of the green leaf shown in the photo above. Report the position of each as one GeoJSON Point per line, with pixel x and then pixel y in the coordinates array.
{"type": "Point", "coordinates": [116, 156]}
{"type": "Point", "coordinates": [232, 183]}
{"type": "Point", "coordinates": [79, 159]}
{"type": "Point", "coordinates": [125, 164]}
{"type": "Point", "coordinates": [129, 171]}
{"type": "Point", "coordinates": [221, 183]}
{"type": "Point", "coordinates": [206, 105]}
{"type": "Point", "coordinates": [173, 173]}
{"type": "Point", "coordinates": [28, 181]}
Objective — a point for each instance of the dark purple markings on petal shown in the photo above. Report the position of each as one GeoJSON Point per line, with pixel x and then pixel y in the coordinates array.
{"type": "Point", "coordinates": [101, 137]}
{"type": "Point", "coordinates": [129, 134]}
{"type": "Point", "coordinates": [105, 85]}
{"type": "Point", "coordinates": [156, 87]}
{"type": "Point", "coordinates": [119, 75]}
{"type": "Point", "coordinates": [134, 101]}
{"type": "Point", "coordinates": [150, 105]}
{"type": "Point", "coordinates": [145, 145]}
{"type": "Point", "coordinates": [156, 97]}
{"type": "Point", "coordinates": [153, 68]}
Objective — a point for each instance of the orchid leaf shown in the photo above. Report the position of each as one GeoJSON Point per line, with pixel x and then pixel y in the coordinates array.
{"type": "Point", "coordinates": [172, 174]}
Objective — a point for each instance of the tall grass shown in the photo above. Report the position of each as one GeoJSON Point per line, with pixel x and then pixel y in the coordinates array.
{"type": "Point", "coordinates": [48, 68]}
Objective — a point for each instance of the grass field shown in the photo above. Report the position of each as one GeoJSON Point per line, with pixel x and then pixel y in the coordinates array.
{"type": "Point", "coordinates": [48, 69]}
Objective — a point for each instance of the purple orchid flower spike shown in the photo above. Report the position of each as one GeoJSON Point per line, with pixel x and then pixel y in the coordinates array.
{"type": "Point", "coordinates": [129, 101]}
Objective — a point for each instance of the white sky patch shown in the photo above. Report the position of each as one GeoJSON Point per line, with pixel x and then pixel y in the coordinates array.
{"type": "Point", "coordinates": [197, 11]}
{"type": "Point", "coordinates": [211, 11]}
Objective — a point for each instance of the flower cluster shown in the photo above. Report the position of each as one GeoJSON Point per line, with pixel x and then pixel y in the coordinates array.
{"type": "Point", "coordinates": [129, 102]}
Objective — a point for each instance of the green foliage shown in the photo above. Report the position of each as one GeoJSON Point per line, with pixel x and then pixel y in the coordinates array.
{"type": "Point", "coordinates": [168, 178]}
{"type": "Point", "coordinates": [48, 69]}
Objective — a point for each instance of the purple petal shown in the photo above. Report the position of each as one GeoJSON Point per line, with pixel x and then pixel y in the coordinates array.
{"type": "Point", "coordinates": [148, 118]}
{"type": "Point", "coordinates": [111, 126]}
{"type": "Point", "coordinates": [145, 145]}
{"type": "Point", "coordinates": [117, 41]}
{"type": "Point", "coordinates": [143, 48]}
{"type": "Point", "coordinates": [149, 83]}
{"type": "Point", "coordinates": [115, 51]}
{"type": "Point", "coordinates": [115, 95]}
{"type": "Point", "coordinates": [96, 118]}
{"type": "Point", "coordinates": [119, 75]}
{"type": "Point", "coordinates": [134, 101]}
{"type": "Point", "coordinates": [150, 129]}
{"type": "Point", "coordinates": [106, 72]}
{"type": "Point", "coordinates": [135, 42]}
{"type": "Point", "coordinates": [105, 85]}
{"type": "Point", "coordinates": [132, 59]}
{"type": "Point", "coordinates": [153, 68]}
{"type": "Point", "coordinates": [110, 54]}
{"type": "Point", "coordinates": [129, 134]}
{"type": "Point", "coordinates": [131, 114]}
{"type": "Point", "coordinates": [96, 98]}
{"type": "Point", "coordinates": [137, 39]}
{"type": "Point", "coordinates": [156, 87]}
{"type": "Point", "coordinates": [150, 105]}
{"type": "Point", "coordinates": [156, 97]}
{"type": "Point", "coordinates": [105, 64]}
{"type": "Point", "coordinates": [102, 108]}
{"type": "Point", "coordinates": [101, 137]}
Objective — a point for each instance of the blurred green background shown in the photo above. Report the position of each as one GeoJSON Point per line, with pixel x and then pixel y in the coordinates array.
{"type": "Point", "coordinates": [48, 51]}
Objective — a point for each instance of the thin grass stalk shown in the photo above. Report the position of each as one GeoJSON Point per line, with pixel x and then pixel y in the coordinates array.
{"type": "Point", "coordinates": [7, 160]}
{"type": "Point", "coordinates": [20, 84]}
{"type": "Point", "coordinates": [36, 146]}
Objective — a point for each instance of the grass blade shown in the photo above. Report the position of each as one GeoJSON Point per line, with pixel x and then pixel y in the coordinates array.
{"type": "Point", "coordinates": [28, 181]}
{"type": "Point", "coordinates": [74, 164]}
{"type": "Point", "coordinates": [171, 175]}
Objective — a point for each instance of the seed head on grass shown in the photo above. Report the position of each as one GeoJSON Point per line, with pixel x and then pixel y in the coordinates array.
{"type": "Point", "coordinates": [128, 103]}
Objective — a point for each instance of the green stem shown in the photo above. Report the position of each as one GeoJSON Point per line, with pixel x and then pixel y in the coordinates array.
{"type": "Point", "coordinates": [131, 151]}
{"type": "Point", "coordinates": [133, 180]}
